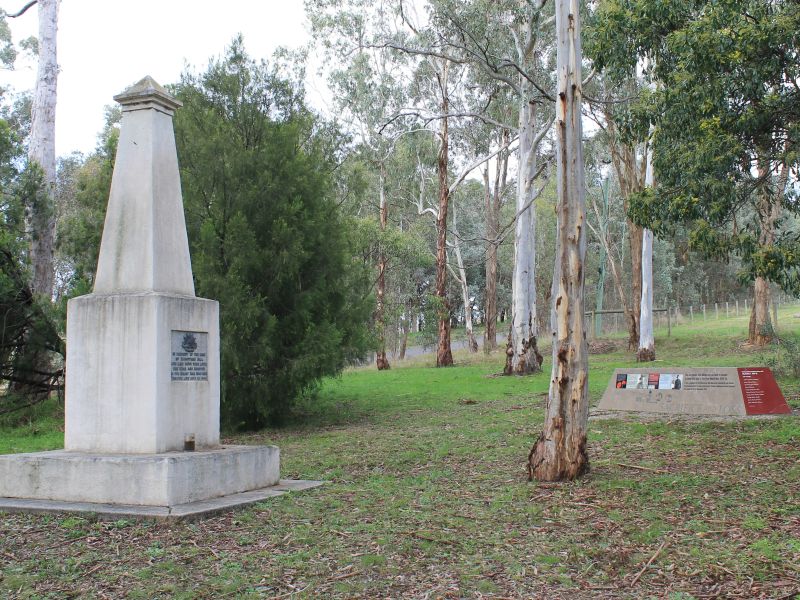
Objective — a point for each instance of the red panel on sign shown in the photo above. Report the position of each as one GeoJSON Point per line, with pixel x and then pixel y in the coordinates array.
{"type": "Point", "coordinates": [762, 396]}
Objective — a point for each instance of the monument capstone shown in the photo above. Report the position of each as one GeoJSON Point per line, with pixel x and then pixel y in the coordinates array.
{"type": "Point", "coordinates": [143, 368]}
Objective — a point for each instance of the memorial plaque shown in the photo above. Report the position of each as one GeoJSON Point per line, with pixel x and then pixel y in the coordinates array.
{"type": "Point", "coordinates": [189, 356]}
{"type": "Point", "coordinates": [700, 391]}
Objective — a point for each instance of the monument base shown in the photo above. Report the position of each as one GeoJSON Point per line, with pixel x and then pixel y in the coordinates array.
{"type": "Point", "coordinates": [180, 512]}
{"type": "Point", "coordinates": [148, 480]}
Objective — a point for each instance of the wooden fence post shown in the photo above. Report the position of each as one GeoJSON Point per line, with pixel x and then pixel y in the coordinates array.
{"type": "Point", "coordinates": [669, 327]}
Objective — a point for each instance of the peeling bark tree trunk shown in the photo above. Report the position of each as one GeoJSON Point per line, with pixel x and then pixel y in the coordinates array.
{"type": "Point", "coordinates": [493, 200]}
{"type": "Point", "coordinates": [647, 345]}
{"type": "Point", "coordinates": [631, 180]}
{"type": "Point", "coordinates": [444, 355]}
{"type": "Point", "coordinates": [522, 354]}
{"type": "Point", "coordinates": [761, 327]}
{"type": "Point", "coordinates": [472, 343]}
{"type": "Point", "coordinates": [560, 453]}
{"type": "Point", "coordinates": [40, 216]}
{"type": "Point", "coordinates": [760, 330]}
{"type": "Point", "coordinates": [380, 322]}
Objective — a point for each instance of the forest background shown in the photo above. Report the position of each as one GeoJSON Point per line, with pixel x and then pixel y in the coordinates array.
{"type": "Point", "coordinates": [426, 202]}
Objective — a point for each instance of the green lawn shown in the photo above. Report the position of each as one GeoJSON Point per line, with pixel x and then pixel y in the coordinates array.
{"type": "Point", "coordinates": [427, 498]}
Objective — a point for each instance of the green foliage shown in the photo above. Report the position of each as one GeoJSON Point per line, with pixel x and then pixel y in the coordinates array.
{"type": "Point", "coordinates": [726, 117]}
{"type": "Point", "coordinates": [786, 360]}
{"type": "Point", "coordinates": [268, 239]}
{"type": "Point", "coordinates": [29, 367]}
{"type": "Point", "coordinates": [80, 228]}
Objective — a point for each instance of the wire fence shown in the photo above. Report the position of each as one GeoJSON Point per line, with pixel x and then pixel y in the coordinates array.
{"type": "Point", "coordinates": [608, 322]}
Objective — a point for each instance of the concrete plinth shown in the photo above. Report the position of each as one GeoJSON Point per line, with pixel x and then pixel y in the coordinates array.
{"type": "Point", "coordinates": [121, 394]}
{"type": "Point", "coordinates": [167, 479]}
{"type": "Point", "coordinates": [180, 512]}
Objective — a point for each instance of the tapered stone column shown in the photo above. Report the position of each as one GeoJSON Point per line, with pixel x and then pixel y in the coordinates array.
{"type": "Point", "coordinates": [142, 350]}
{"type": "Point", "coordinates": [143, 371]}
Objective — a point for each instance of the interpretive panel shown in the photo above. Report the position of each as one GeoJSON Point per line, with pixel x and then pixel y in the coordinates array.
{"type": "Point", "coordinates": [701, 391]}
{"type": "Point", "coordinates": [189, 356]}
{"type": "Point", "coordinates": [761, 393]}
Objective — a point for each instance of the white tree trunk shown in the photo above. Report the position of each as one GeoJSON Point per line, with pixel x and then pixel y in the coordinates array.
{"type": "Point", "coordinates": [462, 279]}
{"type": "Point", "coordinates": [40, 216]}
{"type": "Point", "coordinates": [461, 276]}
{"type": "Point", "coordinates": [381, 361]}
{"type": "Point", "coordinates": [647, 344]}
{"type": "Point", "coordinates": [523, 353]}
{"type": "Point", "coordinates": [560, 453]}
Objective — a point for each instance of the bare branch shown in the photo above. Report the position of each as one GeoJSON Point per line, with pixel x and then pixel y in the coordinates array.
{"type": "Point", "coordinates": [418, 52]}
{"type": "Point", "coordinates": [589, 77]}
{"type": "Point", "coordinates": [22, 10]}
{"type": "Point", "coordinates": [427, 118]}
{"type": "Point", "coordinates": [540, 136]}
{"type": "Point", "coordinates": [477, 163]}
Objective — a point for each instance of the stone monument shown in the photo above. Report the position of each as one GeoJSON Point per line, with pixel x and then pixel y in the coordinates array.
{"type": "Point", "coordinates": [142, 370]}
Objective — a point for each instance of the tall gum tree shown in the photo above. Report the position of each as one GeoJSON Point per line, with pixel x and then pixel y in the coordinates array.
{"type": "Point", "coordinates": [628, 161]}
{"type": "Point", "coordinates": [727, 115]}
{"type": "Point", "coordinates": [560, 452]}
{"type": "Point", "coordinates": [522, 352]}
{"type": "Point", "coordinates": [366, 83]}
{"type": "Point", "coordinates": [493, 199]}
{"type": "Point", "coordinates": [508, 41]}
{"type": "Point", "coordinates": [647, 343]}
{"type": "Point", "coordinates": [40, 215]}
{"type": "Point", "coordinates": [630, 175]}
{"type": "Point", "coordinates": [444, 354]}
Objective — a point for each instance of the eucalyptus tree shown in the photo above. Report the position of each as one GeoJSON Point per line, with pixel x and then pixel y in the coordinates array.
{"type": "Point", "coordinates": [40, 215]}
{"type": "Point", "coordinates": [494, 192]}
{"type": "Point", "coordinates": [647, 344]}
{"type": "Point", "coordinates": [610, 229]}
{"type": "Point", "coordinates": [454, 244]}
{"type": "Point", "coordinates": [30, 344]}
{"type": "Point", "coordinates": [726, 128]}
{"type": "Point", "coordinates": [608, 108]}
{"type": "Point", "coordinates": [439, 97]}
{"type": "Point", "coordinates": [367, 82]}
{"type": "Point", "coordinates": [508, 41]}
{"type": "Point", "coordinates": [560, 452]}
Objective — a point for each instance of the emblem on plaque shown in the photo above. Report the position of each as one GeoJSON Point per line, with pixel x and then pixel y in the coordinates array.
{"type": "Point", "coordinates": [189, 356]}
{"type": "Point", "coordinates": [189, 342]}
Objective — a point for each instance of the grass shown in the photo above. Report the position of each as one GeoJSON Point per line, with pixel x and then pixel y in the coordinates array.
{"type": "Point", "coordinates": [427, 497]}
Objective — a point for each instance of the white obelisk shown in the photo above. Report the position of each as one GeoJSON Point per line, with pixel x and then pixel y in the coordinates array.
{"type": "Point", "coordinates": [142, 372]}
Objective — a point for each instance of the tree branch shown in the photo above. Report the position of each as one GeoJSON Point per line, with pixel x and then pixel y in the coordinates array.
{"type": "Point", "coordinates": [22, 11]}
{"type": "Point", "coordinates": [478, 162]}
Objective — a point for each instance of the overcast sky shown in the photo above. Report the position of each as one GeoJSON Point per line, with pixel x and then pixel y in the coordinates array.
{"type": "Point", "coordinates": [106, 45]}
